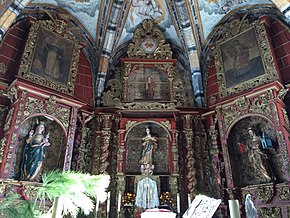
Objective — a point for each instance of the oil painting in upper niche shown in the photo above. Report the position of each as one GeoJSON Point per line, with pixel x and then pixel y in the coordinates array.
{"type": "Point", "coordinates": [241, 58]}
{"type": "Point", "coordinates": [148, 83]}
{"type": "Point", "coordinates": [52, 56]}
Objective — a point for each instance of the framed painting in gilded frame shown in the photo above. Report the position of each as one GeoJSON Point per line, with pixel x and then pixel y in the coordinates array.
{"type": "Point", "coordinates": [244, 60]}
{"type": "Point", "coordinates": [148, 81]}
{"type": "Point", "coordinates": [51, 57]}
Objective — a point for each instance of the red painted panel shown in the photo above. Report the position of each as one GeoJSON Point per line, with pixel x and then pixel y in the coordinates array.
{"type": "Point", "coordinates": [286, 74]}
{"type": "Point", "coordinates": [279, 39]}
{"type": "Point", "coordinates": [280, 51]}
{"type": "Point", "coordinates": [287, 34]}
{"type": "Point", "coordinates": [286, 61]}
{"type": "Point", "coordinates": [287, 47]}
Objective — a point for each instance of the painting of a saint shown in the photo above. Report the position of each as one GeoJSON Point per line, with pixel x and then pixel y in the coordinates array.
{"type": "Point", "coordinates": [241, 59]}
{"type": "Point", "coordinates": [52, 56]}
{"type": "Point", "coordinates": [148, 84]}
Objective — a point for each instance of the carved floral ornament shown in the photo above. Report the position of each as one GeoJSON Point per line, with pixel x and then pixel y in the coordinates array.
{"type": "Point", "coordinates": [245, 105]}
{"type": "Point", "coordinates": [149, 42]}
{"type": "Point", "coordinates": [39, 66]}
{"type": "Point", "coordinates": [237, 59]}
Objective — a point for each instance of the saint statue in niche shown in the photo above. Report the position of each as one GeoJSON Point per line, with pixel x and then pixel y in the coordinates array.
{"type": "Point", "coordinates": [149, 147]}
{"type": "Point", "coordinates": [34, 153]}
{"type": "Point", "coordinates": [256, 158]}
{"type": "Point", "coordinates": [147, 194]}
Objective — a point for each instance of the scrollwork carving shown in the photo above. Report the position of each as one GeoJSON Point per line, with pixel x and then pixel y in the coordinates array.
{"type": "Point", "coordinates": [284, 193]}
{"type": "Point", "coordinates": [245, 105]}
{"type": "Point", "coordinates": [282, 93]}
{"type": "Point", "coordinates": [265, 194]}
{"type": "Point", "coordinates": [12, 94]}
{"type": "Point", "coordinates": [2, 147]}
{"type": "Point", "coordinates": [129, 124]}
{"type": "Point", "coordinates": [149, 42]}
{"type": "Point", "coordinates": [61, 113]}
{"type": "Point", "coordinates": [272, 212]}
{"type": "Point", "coordinates": [283, 149]}
{"type": "Point", "coordinates": [213, 134]}
{"type": "Point", "coordinates": [106, 137]}
{"type": "Point", "coordinates": [3, 110]}
{"type": "Point", "coordinates": [149, 106]}
{"type": "Point", "coordinates": [10, 151]}
{"type": "Point", "coordinates": [9, 119]}
{"type": "Point", "coordinates": [33, 106]}
{"type": "Point", "coordinates": [96, 155]}
{"type": "Point", "coordinates": [166, 124]}
{"type": "Point", "coordinates": [286, 119]}
{"type": "Point", "coordinates": [113, 95]}
{"type": "Point", "coordinates": [190, 164]}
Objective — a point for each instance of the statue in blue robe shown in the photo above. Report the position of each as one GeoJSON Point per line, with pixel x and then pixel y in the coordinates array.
{"type": "Point", "coordinates": [34, 153]}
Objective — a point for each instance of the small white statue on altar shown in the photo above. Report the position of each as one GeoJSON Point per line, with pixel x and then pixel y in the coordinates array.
{"type": "Point", "coordinates": [251, 211]}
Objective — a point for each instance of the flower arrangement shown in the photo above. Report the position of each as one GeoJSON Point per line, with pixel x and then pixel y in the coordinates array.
{"type": "Point", "coordinates": [129, 198]}
{"type": "Point", "coordinates": [166, 199]}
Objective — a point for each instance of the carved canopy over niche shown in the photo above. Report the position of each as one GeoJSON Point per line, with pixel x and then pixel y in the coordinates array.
{"type": "Point", "coordinates": [149, 43]}
{"type": "Point", "coordinates": [243, 57]}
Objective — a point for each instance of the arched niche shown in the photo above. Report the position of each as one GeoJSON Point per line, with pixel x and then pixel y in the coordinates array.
{"type": "Point", "coordinates": [245, 171]}
{"type": "Point", "coordinates": [161, 157]}
{"type": "Point", "coordinates": [54, 155]}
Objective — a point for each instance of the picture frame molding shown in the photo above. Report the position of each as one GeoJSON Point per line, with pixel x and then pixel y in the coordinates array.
{"type": "Point", "coordinates": [270, 72]}
{"type": "Point", "coordinates": [58, 27]}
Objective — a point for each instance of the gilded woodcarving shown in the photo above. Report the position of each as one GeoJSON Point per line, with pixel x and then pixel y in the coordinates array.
{"type": "Point", "coordinates": [149, 42]}
{"type": "Point", "coordinates": [243, 58]}
{"type": "Point", "coordinates": [51, 56]}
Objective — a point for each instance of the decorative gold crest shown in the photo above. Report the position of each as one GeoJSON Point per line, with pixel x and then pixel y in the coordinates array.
{"type": "Point", "coordinates": [149, 43]}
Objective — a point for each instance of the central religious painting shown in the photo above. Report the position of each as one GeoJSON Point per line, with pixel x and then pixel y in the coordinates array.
{"type": "Point", "coordinates": [148, 82]}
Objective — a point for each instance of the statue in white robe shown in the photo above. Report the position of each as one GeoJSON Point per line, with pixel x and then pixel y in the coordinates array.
{"type": "Point", "coordinates": [147, 194]}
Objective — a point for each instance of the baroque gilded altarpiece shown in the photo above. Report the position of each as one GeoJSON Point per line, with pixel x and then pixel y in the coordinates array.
{"type": "Point", "coordinates": [31, 104]}
{"type": "Point", "coordinates": [257, 103]}
{"type": "Point", "coordinates": [145, 91]}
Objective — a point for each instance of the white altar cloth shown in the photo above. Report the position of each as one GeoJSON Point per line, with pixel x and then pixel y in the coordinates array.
{"type": "Point", "coordinates": [158, 213]}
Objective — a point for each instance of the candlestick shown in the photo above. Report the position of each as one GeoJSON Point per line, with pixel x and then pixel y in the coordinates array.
{"type": "Point", "coordinates": [119, 202]}
{"type": "Point", "coordinates": [178, 203]}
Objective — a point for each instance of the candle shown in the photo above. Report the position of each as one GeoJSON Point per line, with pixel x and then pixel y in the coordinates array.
{"type": "Point", "coordinates": [97, 204]}
{"type": "Point", "coordinates": [119, 202]}
{"type": "Point", "coordinates": [189, 200]}
{"type": "Point", "coordinates": [178, 203]}
{"type": "Point", "coordinates": [234, 209]}
{"type": "Point", "coordinates": [108, 202]}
